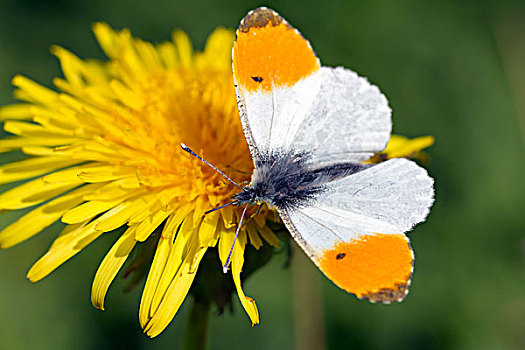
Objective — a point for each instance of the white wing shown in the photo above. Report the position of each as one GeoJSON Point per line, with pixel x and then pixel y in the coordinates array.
{"type": "Point", "coordinates": [354, 231]}
{"type": "Point", "coordinates": [349, 120]}
{"type": "Point", "coordinates": [274, 70]}
{"type": "Point", "coordinates": [333, 114]}
{"type": "Point", "coordinates": [269, 117]}
{"type": "Point", "coordinates": [287, 101]}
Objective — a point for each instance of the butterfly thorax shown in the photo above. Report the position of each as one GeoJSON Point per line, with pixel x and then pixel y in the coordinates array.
{"type": "Point", "coordinates": [286, 180]}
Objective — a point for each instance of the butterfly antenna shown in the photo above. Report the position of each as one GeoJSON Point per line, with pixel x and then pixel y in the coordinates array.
{"type": "Point", "coordinates": [187, 149]}
{"type": "Point", "coordinates": [217, 208]}
{"type": "Point", "coordinates": [225, 267]}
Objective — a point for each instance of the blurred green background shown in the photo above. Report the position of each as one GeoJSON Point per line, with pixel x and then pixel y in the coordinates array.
{"type": "Point", "coordinates": [453, 69]}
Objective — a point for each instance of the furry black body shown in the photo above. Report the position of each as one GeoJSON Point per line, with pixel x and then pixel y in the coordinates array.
{"type": "Point", "coordinates": [288, 181]}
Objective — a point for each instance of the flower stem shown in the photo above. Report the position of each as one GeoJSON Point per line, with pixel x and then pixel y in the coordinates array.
{"type": "Point", "coordinates": [308, 304]}
{"type": "Point", "coordinates": [197, 328]}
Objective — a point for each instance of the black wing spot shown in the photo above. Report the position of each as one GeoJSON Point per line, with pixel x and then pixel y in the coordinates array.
{"type": "Point", "coordinates": [340, 256]}
{"type": "Point", "coordinates": [257, 79]}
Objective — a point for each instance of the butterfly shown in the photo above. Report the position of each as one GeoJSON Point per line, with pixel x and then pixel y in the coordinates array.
{"type": "Point", "coordinates": [309, 128]}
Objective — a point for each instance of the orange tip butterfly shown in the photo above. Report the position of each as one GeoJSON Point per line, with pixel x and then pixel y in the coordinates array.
{"type": "Point", "coordinates": [309, 128]}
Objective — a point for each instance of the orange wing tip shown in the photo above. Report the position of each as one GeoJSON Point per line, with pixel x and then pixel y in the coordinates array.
{"type": "Point", "coordinates": [268, 52]}
{"type": "Point", "coordinates": [376, 267]}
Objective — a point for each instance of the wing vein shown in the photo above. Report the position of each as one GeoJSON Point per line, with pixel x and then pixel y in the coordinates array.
{"type": "Point", "coordinates": [323, 225]}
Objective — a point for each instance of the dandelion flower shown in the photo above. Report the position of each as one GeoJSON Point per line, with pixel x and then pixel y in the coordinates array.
{"type": "Point", "coordinates": [403, 147]}
{"type": "Point", "coordinates": [103, 153]}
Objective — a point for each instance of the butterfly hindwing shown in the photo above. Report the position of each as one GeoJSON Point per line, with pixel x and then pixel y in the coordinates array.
{"type": "Point", "coordinates": [354, 231]}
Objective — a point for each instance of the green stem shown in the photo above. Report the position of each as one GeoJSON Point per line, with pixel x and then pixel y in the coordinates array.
{"type": "Point", "coordinates": [197, 328]}
{"type": "Point", "coordinates": [308, 304]}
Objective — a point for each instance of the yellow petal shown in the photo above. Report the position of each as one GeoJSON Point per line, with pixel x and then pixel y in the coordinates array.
{"type": "Point", "coordinates": [105, 173]}
{"type": "Point", "coordinates": [106, 38]}
{"type": "Point", "coordinates": [23, 128]}
{"type": "Point", "coordinates": [36, 220]}
{"type": "Point", "coordinates": [201, 205]}
{"type": "Point", "coordinates": [157, 267]}
{"type": "Point", "coordinates": [168, 260]}
{"type": "Point", "coordinates": [17, 111]}
{"type": "Point", "coordinates": [237, 260]}
{"type": "Point", "coordinates": [33, 192]}
{"type": "Point", "coordinates": [148, 55]}
{"type": "Point", "coordinates": [184, 47]}
{"type": "Point", "coordinates": [71, 66]}
{"type": "Point", "coordinates": [35, 92]}
{"type": "Point", "coordinates": [71, 241]}
{"type": "Point", "coordinates": [62, 124]}
{"type": "Point", "coordinates": [114, 190]}
{"type": "Point", "coordinates": [269, 236]}
{"type": "Point", "coordinates": [404, 147]}
{"type": "Point", "coordinates": [218, 48]}
{"type": "Point", "coordinates": [88, 210]}
{"type": "Point", "coordinates": [38, 151]}
{"type": "Point", "coordinates": [151, 206]}
{"type": "Point", "coordinates": [110, 266]}
{"type": "Point", "coordinates": [133, 63]}
{"type": "Point", "coordinates": [227, 217]}
{"type": "Point", "coordinates": [120, 214]}
{"type": "Point", "coordinates": [260, 220]}
{"type": "Point", "coordinates": [225, 243]}
{"type": "Point", "coordinates": [168, 55]}
{"type": "Point", "coordinates": [128, 97]}
{"type": "Point", "coordinates": [179, 252]}
{"type": "Point", "coordinates": [208, 229]}
{"type": "Point", "coordinates": [176, 219]}
{"type": "Point", "coordinates": [88, 151]}
{"type": "Point", "coordinates": [67, 175]}
{"type": "Point", "coordinates": [28, 168]}
{"type": "Point", "coordinates": [175, 295]}
{"type": "Point", "coordinates": [255, 238]}
{"type": "Point", "coordinates": [12, 143]}
{"type": "Point", "coordinates": [396, 142]}
{"type": "Point", "coordinates": [146, 227]}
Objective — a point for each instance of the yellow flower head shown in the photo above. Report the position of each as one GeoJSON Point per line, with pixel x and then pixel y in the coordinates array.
{"type": "Point", "coordinates": [105, 152]}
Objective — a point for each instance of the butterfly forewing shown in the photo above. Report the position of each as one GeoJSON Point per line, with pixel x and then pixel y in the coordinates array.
{"type": "Point", "coordinates": [271, 62]}
{"type": "Point", "coordinates": [288, 102]}
{"type": "Point", "coordinates": [348, 120]}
